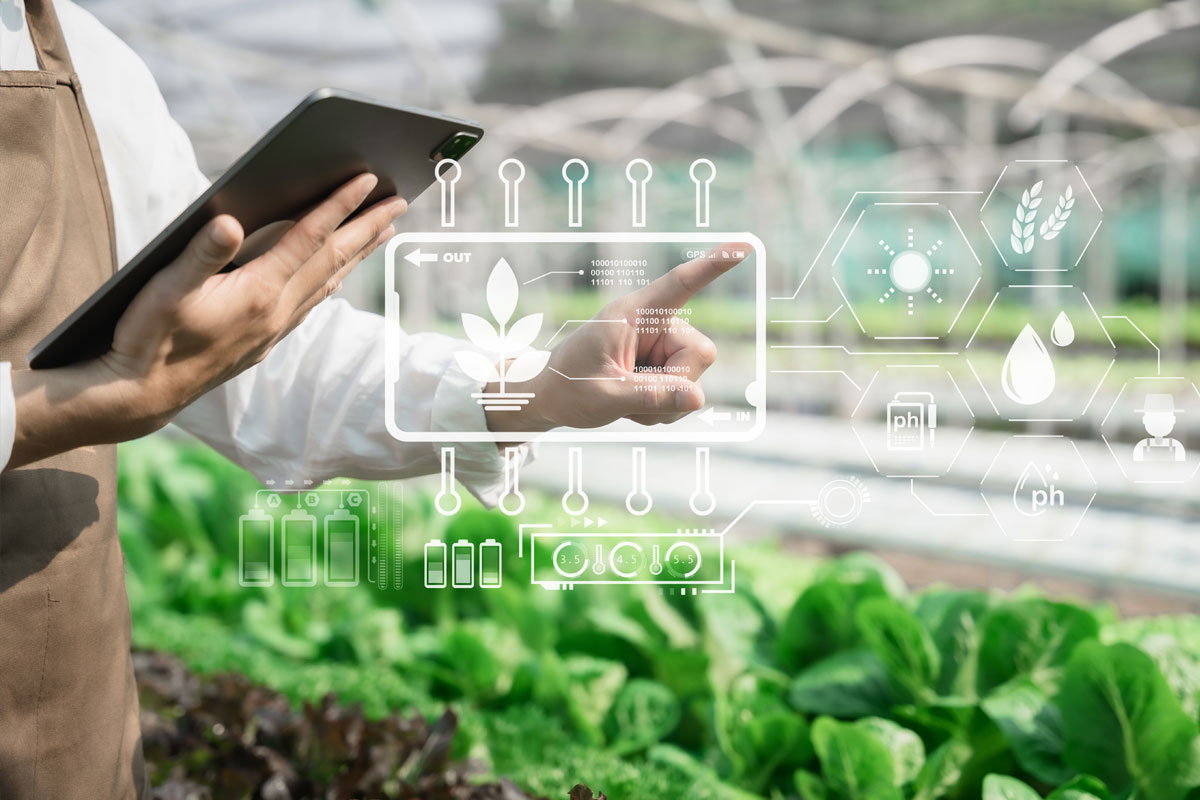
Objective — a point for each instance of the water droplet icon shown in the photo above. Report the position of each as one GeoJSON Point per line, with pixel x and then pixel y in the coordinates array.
{"type": "Point", "coordinates": [1028, 373]}
{"type": "Point", "coordinates": [1063, 332]}
{"type": "Point", "coordinates": [1025, 492]}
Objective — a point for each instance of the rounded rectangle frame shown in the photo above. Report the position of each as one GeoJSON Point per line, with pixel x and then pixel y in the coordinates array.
{"type": "Point", "coordinates": [575, 435]}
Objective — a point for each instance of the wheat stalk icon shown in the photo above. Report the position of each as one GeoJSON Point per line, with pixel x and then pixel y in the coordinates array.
{"type": "Point", "coordinates": [1022, 238]}
{"type": "Point", "coordinates": [1057, 220]}
{"type": "Point", "coordinates": [502, 340]}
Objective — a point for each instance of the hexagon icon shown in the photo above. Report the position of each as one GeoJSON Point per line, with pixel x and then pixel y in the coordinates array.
{"type": "Point", "coordinates": [1052, 368]}
{"type": "Point", "coordinates": [905, 271]}
{"type": "Point", "coordinates": [1041, 216]}
{"type": "Point", "coordinates": [1038, 488]}
{"type": "Point", "coordinates": [912, 421]}
{"type": "Point", "coordinates": [1149, 429]}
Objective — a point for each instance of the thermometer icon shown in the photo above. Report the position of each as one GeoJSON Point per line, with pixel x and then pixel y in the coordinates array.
{"type": "Point", "coordinates": [575, 501]}
{"type": "Point", "coordinates": [448, 501]}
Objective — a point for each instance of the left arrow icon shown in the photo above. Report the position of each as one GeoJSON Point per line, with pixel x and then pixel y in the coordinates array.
{"type": "Point", "coordinates": [417, 258]}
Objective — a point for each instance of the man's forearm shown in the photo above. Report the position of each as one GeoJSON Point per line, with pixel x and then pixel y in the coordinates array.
{"type": "Point", "coordinates": [60, 409]}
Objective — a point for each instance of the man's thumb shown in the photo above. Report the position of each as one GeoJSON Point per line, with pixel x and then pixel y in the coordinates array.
{"type": "Point", "coordinates": [208, 252]}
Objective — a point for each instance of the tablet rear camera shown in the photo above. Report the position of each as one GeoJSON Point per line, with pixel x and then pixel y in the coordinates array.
{"type": "Point", "coordinates": [455, 147]}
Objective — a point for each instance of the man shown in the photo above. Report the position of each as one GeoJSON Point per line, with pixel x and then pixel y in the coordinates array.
{"type": "Point", "coordinates": [253, 361]}
{"type": "Point", "coordinates": [1158, 418]}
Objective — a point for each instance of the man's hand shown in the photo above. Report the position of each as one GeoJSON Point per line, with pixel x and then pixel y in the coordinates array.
{"type": "Point", "coordinates": [192, 327]}
{"type": "Point", "coordinates": [652, 360]}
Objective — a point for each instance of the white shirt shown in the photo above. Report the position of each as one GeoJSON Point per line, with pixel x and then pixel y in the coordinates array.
{"type": "Point", "coordinates": [314, 408]}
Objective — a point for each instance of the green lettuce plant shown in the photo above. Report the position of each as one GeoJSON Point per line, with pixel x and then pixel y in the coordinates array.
{"type": "Point", "coordinates": [824, 680]}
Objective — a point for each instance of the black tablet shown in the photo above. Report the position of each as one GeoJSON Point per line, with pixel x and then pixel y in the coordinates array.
{"type": "Point", "coordinates": [324, 142]}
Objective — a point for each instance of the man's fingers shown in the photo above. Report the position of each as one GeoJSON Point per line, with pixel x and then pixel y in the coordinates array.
{"type": "Point", "coordinates": [693, 358]}
{"type": "Point", "coordinates": [679, 285]}
{"type": "Point", "coordinates": [310, 233]}
{"type": "Point", "coordinates": [663, 399]}
{"type": "Point", "coordinates": [339, 255]}
{"type": "Point", "coordinates": [207, 253]}
{"type": "Point", "coordinates": [151, 314]}
{"type": "Point", "coordinates": [372, 229]}
{"type": "Point", "coordinates": [671, 406]}
{"type": "Point", "coordinates": [335, 283]}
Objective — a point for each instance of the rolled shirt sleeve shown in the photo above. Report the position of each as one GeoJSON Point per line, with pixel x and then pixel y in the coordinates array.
{"type": "Point", "coordinates": [315, 407]}
{"type": "Point", "coordinates": [8, 414]}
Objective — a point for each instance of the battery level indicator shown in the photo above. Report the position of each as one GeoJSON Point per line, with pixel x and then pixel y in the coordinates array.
{"type": "Point", "coordinates": [435, 564]}
{"type": "Point", "coordinates": [341, 549]}
{"type": "Point", "coordinates": [256, 549]}
{"type": "Point", "coordinates": [462, 575]}
{"type": "Point", "coordinates": [299, 548]}
{"type": "Point", "coordinates": [490, 558]}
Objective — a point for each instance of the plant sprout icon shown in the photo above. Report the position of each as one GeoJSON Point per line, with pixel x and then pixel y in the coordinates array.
{"type": "Point", "coordinates": [502, 340]}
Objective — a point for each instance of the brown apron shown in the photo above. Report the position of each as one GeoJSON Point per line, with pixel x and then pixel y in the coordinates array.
{"type": "Point", "coordinates": [68, 702]}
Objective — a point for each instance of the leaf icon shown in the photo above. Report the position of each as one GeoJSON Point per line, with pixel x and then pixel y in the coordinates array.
{"type": "Point", "coordinates": [1057, 220]}
{"type": "Point", "coordinates": [477, 366]}
{"type": "Point", "coordinates": [523, 332]}
{"type": "Point", "coordinates": [502, 291]}
{"type": "Point", "coordinates": [1022, 238]}
{"type": "Point", "coordinates": [481, 332]}
{"type": "Point", "coordinates": [526, 366]}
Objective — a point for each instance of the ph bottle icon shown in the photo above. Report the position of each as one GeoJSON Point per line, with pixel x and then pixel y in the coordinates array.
{"type": "Point", "coordinates": [299, 548]}
{"type": "Point", "coordinates": [256, 548]}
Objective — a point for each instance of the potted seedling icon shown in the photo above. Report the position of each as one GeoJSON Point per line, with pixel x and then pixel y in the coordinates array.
{"type": "Point", "coordinates": [504, 343]}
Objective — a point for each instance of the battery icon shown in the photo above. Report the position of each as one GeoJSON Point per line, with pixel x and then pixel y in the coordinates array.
{"type": "Point", "coordinates": [256, 549]}
{"type": "Point", "coordinates": [341, 549]}
{"type": "Point", "coordinates": [462, 575]}
{"type": "Point", "coordinates": [490, 555]}
{"type": "Point", "coordinates": [299, 548]}
{"type": "Point", "coordinates": [435, 564]}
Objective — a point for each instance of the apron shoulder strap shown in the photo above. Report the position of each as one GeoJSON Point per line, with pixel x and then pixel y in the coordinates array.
{"type": "Point", "coordinates": [48, 39]}
{"type": "Point", "coordinates": [53, 56]}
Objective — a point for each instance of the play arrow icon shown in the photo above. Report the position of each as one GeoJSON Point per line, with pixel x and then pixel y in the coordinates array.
{"type": "Point", "coordinates": [711, 415]}
{"type": "Point", "coordinates": [417, 258]}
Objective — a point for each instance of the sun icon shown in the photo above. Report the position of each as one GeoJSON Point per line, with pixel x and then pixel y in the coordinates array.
{"type": "Point", "coordinates": [910, 272]}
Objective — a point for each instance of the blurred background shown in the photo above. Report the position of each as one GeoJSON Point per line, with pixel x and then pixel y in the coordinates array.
{"type": "Point", "coordinates": [800, 105]}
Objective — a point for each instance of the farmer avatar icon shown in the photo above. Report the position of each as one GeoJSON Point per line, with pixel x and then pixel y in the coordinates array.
{"type": "Point", "coordinates": [1158, 417]}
